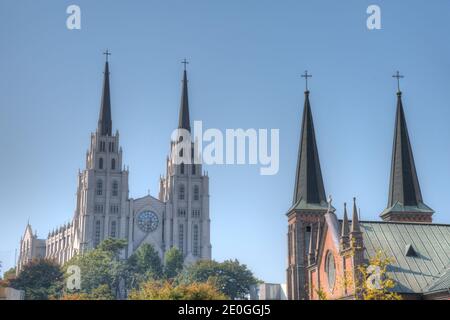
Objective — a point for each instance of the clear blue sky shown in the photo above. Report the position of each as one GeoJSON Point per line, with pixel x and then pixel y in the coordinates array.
{"type": "Point", "coordinates": [246, 59]}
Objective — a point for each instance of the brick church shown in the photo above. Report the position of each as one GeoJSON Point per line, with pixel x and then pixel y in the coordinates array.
{"type": "Point", "coordinates": [322, 247]}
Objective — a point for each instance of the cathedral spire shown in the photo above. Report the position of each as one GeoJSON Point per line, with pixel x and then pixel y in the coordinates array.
{"type": "Point", "coordinates": [345, 230]}
{"type": "Point", "coordinates": [104, 120]}
{"type": "Point", "coordinates": [309, 188]}
{"type": "Point", "coordinates": [355, 219]}
{"type": "Point", "coordinates": [405, 198]}
{"type": "Point", "coordinates": [184, 122]}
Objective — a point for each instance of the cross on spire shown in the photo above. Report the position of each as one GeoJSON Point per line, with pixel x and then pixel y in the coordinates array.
{"type": "Point", "coordinates": [107, 53]}
{"type": "Point", "coordinates": [398, 76]}
{"type": "Point", "coordinates": [306, 76]}
{"type": "Point", "coordinates": [185, 62]}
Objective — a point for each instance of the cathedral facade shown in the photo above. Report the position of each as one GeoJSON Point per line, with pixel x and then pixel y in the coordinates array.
{"type": "Point", "coordinates": [178, 217]}
{"type": "Point", "coordinates": [325, 253]}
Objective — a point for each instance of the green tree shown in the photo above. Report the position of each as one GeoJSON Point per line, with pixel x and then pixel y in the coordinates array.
{"type": "Point", "coordinates": [230, 277]}
{"type": "Point", "coordinates": [173, 263]}
{"type": "Point", "coordinates": [103, 292]}
{"type": "Point", "coordinates": [144, 264]}
{"type": "Point", "coordinates": [113, 246]}
{"type": "Point", "coordinates": [40, 279]}
{"type": "Point", "coordinates": [101, 268]}
{"type": "Point", "coordinates": [9, 274]}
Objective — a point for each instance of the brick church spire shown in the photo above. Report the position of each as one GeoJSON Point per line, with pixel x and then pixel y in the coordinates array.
{"type": "Point", "coordinates": [405, 198]}
{"type": "Point", "coordinates": [184, 122]}
{"type": "Point", "coordinates": [306, 217]}
{"type": "Point", "coordinates": [309, 188]}
{"type": "Point", "coordinates": [104, 120]}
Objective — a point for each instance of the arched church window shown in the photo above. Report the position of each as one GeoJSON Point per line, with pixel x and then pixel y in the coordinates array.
{"type": "Point", "coordinates": [115, 189]}
{"type": "Point", "coordinates": [113, 229]}
{"type": "Point", "coordinates": [182, 168]}
{"type": "Point", "coordinates": [193, 169]}
{"type": "Point", "coordinates": [99, 187]}
{"type": "Point", "coordinates": [113, 164]}
{"type": "Point", "coordinates": [330, 269]}
{"type": "Point", "coordinates": [195, 240]}
{"type": "Point", "coordinates": [181, 237]}
{"type": "Point", "coordinates": [97, 233]}
{"type": "Point", "coordinates": [196, 193]}
{"type": "Point", "coordinates": [100, 163]}
{"type": "Point", "coordinates": [181, 192]}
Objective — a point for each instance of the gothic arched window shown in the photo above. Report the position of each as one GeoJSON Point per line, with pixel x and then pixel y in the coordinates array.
{"type": "Point", "coordinates": [97, 233]}
{"type": "Point", "coordinates": [113, 229]}
{"type": "Point", "coordinates": [115, 189]}
{"type": "Point", "coordinates": [195, 240]}
{"type": "Point", "coordinates": [193, 169]}
{"type": "Point", "coordinates": [100, 163]}
{"type": "Point", "coordinates": [113, 164]}
{"type": "Point", "coordinates": [181, 192]}
{"type": "Point", "coordinates": [330, 269]}
{"type": "Point", "coordinates": [196, 192]}
{"type": "Point", "coordinates": [182, 168]}
{"type": "Point", "coordinates": [181, 237]}
{"type": "Point", "coordinates": [99, 187]}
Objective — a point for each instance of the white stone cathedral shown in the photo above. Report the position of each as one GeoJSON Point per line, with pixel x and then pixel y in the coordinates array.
{"type": "Point", "coordinates": [179, 217]}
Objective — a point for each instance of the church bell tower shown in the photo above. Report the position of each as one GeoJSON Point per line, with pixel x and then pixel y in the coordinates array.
{"type": "Point", "coordinates": [309, 205]}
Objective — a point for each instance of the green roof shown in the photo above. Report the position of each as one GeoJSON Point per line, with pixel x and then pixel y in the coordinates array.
{"type": "Point", "coordinates": [427, 269]}
{"type": "Point", "coordinates": [399, 208]}
{"type": "Point", "coordinates": [303, 205]}
{"type": "Point", "coordinates": [441, 284]}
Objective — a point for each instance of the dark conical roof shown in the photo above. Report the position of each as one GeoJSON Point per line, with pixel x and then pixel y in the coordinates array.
{"type": "Point", "coordinates": [104, 120]}
{"type": "Point", "coordinates": [404, 184]}
{"type": "Point", "coordinates": [309, 186]}
{"type": "Point", "coordinates": [184, 122]}
{"type": "Point", "coordinates": [404, 189]}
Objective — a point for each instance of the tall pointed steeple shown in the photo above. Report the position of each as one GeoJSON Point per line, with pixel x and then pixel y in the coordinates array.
{"type": "Point", "coordinates": [405, 201]}
{"type": "Point", "coordinates": [355, 219]}
{"type": "Point", "coordinates": [104, 119]}
{"type": "Point", "coordinates": [309, 189]}
{"type": "Point", "coordinates": [184, 121]}
{"type": "Point", "coordinates": [345, 230]}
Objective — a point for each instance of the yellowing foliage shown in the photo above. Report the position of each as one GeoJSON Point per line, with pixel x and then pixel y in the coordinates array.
{"type": "Point", "coordinates": [383, 292]}
{"type": "Point", "coordinates": [153, 290]}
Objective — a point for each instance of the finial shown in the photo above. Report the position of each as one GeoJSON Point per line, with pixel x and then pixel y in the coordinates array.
{"type": "Point", "coordinates": [306, 76]}
{"type": "Point", "coordinates": [330, 200]}
{"type": "Point", "coordinates": [355, 218]}
{"type": "Point", "coordinates": [185, 62]}
{"type": "Point", "coordinates": [107, 53]}
{"type": "Point", "coordinates": [398, 76]}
